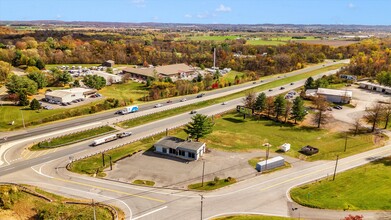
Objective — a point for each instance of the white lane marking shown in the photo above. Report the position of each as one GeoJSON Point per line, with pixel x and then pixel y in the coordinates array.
{"type": "Point", "coordinates": [245, 213]}
{"type": "Point", "coordinates": [151, 212]}
{"type": "Point", "coordinates": [40, 173]}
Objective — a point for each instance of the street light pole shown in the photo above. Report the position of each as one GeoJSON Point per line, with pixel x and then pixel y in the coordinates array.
{"type": "Point", "coordinates": [203, 172]}
{"type": "Point", "coordinates": [267, 157]}
{"type": "Point", "coordinates": [202, 204]}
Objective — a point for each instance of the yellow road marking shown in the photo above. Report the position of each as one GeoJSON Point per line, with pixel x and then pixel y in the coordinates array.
{"type": "Point", "coordinates": [317, 171]}
{"type": "Point", "coordinates": [28, 154]}
{"type": "Point", "coordinates": [111, 190]}
{"type": "Point", "coordinates": [24, 152]}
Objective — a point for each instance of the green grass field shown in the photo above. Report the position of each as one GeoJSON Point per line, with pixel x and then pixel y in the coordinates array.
{"type": "Point", "coordinates": [252, 217]}
{"type": "Point", "coordinates": [363, 188]}
{"type": "Point", "coordinates": [214, 38]}
{"type": "Point", "coordinates": [172, 112]}
{"type": "Point", "coordinates": [232, 133]}
{"type": "Point", "coordinates": [144, 182]}
{"type": "Point", "coordinates": [230, 77]}
{"type": "Point", "coordinates": [125, 91]}
{"type": "Point", "coordinates": [72, 138]}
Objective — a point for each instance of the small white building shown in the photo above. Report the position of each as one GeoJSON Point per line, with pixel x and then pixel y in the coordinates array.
{"type": "Point", "coordinates": [178, 147]}
{"type": "Point", "coordinates": [270, 164]}
{"type": "Point", "coordinates": [285, 147]}
{"type": "Point", "coordinates": [68, 95]}
{"type": "Point", "coordinates": [110, 78]}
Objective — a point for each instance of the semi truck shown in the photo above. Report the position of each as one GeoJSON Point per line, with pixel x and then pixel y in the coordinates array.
{"type": "Point", "coordinates": [129, 109]}
{"type": "Point", "coordinates": [104, 140]}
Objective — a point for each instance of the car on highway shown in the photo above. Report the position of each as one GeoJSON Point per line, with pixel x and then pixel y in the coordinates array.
{"type": "Point", "coordinates": [124, 134]}
{"type": "Point", "coordinates": [158, 105]}
{"type": "Point", "coordinates": [254, 82]}
{"type": "Point", "coordinates": [292, 83]}
{"type": "Point", "coordinates": [200, 95]}
{"type": "Point", "coordinates": [224, 103]}
{"type": "Point", "coordinates": [169, 101]}
{"type": "Point", "coordinates": [270, 90]}
{"type": "Point", "coordinates": [183, 100]}
{"type": "Point", "coordinates": [193, 112]}
{"type": "Point", "coordinates": [282, 88]}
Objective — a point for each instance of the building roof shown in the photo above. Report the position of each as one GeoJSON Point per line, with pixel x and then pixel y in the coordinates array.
{"type": "Point", "coordinates": [272, 160]}
{"type": "Point", "coordinates": [173, 69]}
{"type": "Point", "coordinates": [375, 85]}
{"type": "Point", "coordinates": [64, 92]}
{"type": "Point", "coordinates": [178, 143]}
{"type": "Point", "coordinates": [109, 61]}
{"type": "Point", "coordinates": [140, 71]}
{"type": "Point", "coordinates": [335, 92]}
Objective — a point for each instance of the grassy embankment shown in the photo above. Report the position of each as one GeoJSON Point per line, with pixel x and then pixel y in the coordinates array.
{"type": "Point", "coordinates": [144, 182]}
{"type": "Point", "coordinates": [72, 138]}
{"type": "Point", "coordinates": [212, 185]}
{"type": "Point", "coordinates": [16, 204]}
{"type": "Point", "coordinates": [363, 188]}
{"type": "Point", "coordinates": [253, 217]}
{"type": "Point", "coordinates": [172, 112]}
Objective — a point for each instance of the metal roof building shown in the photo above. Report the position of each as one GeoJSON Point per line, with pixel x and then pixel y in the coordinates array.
{"type": "Point", "coordinates": [178, 147]}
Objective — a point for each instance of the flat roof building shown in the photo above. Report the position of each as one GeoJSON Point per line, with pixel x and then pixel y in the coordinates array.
{"type": "Point", "coordinates": [375, 87]}
{"type": "Point", "coordinates": [178, 147]}
{"type": "Point", "coordinates": [68, 95]}
{"type": "Point", "coordinates": [110, 78]}
{"type": "Point", "coordinates": [331, 95]}
{"type": "Point", "coordinates": [174, 71]}
{"type": "Point", "coordinates": [108, 63]}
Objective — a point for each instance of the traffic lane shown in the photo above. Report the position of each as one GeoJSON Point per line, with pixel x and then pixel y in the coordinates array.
{"type": "Point", "coordinates": [110, 114]}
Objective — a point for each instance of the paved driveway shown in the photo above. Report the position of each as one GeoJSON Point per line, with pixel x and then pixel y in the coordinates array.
{"type": "Point", "coordinates": [171, 172]}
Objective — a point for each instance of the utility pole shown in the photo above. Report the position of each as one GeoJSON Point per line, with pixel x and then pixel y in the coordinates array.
{"type": "Point", "coordinates": [166, 131]}
{"type": "Point", "coordinates": [111, 164]}
{"type": "Point", "coordinates": [103, 159]}
{"type": "Point", "coordinates": [93, 206]}
{"type": "Point", "coordinates": [203, 172]}
{"type": "Point", "coordinates": [24, 126]}
{"type": "Point", "coordinates": [202, 205]}
{"type": "Point", "coordinates": [335, 169]}
{"type": "Point", "coordinates": [267, 157]}
{"type": "Point", "coordinates": [346, 141]}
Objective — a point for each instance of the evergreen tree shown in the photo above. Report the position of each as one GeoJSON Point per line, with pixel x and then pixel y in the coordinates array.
{"type": "Point", "coordinates": [23, 101]}
{"type": "Point", "coordinates": [260, 103]}
{"type": "Point", "coordinates": [279, 105]}
{"type": "Point", "coordinates": [34, 105]}
{"type": "Point", "coordinates": [298, 109]}
{"type": "Point", "coordinates": [199, 127]}
{"type": "Point", "coordinates": [309, 83]}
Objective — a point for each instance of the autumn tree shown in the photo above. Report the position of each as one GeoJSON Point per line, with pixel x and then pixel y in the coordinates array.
{"type": "Point", "coordinates": [288, 110]}
{"type": "Point", "coordinates": [373, 115]}
{"type": "Point", "coordinates": [5, 70]}
{"type": "Point", "coordinates": [298, 109]}
{"type": "Point", "coordinates": [249, 100]}
{"type": "Point", "coordinates": [200, 126]}
{"type": "Point", "coordinates": [321, 106]}
{"type": "Point", "coordinates": [269, 105]}
{"type": "Point", "coordinates": [386, 113]}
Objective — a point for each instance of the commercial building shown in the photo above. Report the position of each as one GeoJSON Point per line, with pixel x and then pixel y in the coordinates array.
{"type": "Point", "coordinates": [178, 147]}
{"type": "Point", "coordinates": [375, 87]}
{"type": "Point", "coordinates": [110, 78]}
{"type": "Point", "coordinates": [331, 95]}
{"type": "Point", "coordinates": [108, 63]}
{"type": "Point", "coordinates": [68, 95]}
{"type": "Point", "coordinates": [174, 71]}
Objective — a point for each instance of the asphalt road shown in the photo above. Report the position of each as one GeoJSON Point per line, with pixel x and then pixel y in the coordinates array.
{"type": "Point", "coordinates": [110, 114]}
{"type": "Point", "coordinates": [264, 194]}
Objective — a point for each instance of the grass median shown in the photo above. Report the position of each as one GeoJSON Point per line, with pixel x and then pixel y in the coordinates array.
{"type": "Point", "coordinates": [164, 114]}
{"type": "Point", "coordinates": [212, 185]}
{"type": "Point", "coordinates": [363, 188]}
{"type": "Point", "coordinates": [72, 138]}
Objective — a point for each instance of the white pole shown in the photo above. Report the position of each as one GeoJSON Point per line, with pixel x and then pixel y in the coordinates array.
{"type": "Point", "coordinates": [24, 126]}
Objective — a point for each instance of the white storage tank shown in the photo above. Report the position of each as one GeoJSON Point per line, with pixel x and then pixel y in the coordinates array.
{"type": "Point", "coordinates": [271, 164]}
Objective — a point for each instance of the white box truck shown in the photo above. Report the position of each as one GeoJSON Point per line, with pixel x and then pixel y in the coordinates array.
{"type": "Point", "coordinates": [129, 109]}
{"type": "Point", "coordinates": [104, 140]}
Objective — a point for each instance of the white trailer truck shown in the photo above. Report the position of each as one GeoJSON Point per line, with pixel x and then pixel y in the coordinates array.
{"type": "Point", "coordinates": [104, 140]}
{"type": "Point", "coordinates": [129, 109]}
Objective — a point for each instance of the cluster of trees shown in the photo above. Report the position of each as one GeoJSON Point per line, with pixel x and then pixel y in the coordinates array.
{"type": "Point", "coordinates": [322, 82]}
{"type": "Point", "coordinates": [277, 107]}
{"type": "Point", "coordinates": [379, 113]}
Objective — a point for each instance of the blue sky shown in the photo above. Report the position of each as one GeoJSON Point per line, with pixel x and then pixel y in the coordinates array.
{"type": "Point", "coordinates": [370, 12]}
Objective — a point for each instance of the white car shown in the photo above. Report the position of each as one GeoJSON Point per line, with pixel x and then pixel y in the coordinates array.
{"type": "Point", "coordinates": [183, 100]}
{"type": "Point", "coordinates": [158, 105]}
{"type": "Point", "coordinates": [224, 103]}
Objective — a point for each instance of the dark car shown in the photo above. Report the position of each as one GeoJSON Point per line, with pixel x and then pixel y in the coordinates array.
{"type": "Point", "coordinates": [282, 88]}
{"type": "Point", "coordinates": [292, 83]}
{"type": "Point", "coordinates": [63, 104]}
{"type": "Point", "coordinates": [169, 101]}
{"type": "Point", "coordinates": [309, 150]}
{"type": "Point", "coordinates": [270, 90]}
{"type": "Point", "coordinates": [193, 112]}
{"type": "Point", "coordinates": [254, 82]}
{"type": "Point", "coordinates": [200, 95]}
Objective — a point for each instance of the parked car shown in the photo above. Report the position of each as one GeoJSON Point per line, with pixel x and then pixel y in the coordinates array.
{"type": "Point", "coordinates": [74, 101]}
{"type": "Point", "coordinates": [193, 112]}
{"type": "Point", "coordinates": [63, 104]}
{"type": "Point", "coordinates": [338, 107]}
{"type": "Point", "coordinates": [158, 105]}
{"type": "Point", "coordinates": [183, 100]}
{"type": "Point", "coordinates": [69, 103]}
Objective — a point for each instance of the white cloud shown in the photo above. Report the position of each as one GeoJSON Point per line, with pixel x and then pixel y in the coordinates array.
{"type": "Point", "coordinates": [155, 18]}
{"type": "Point", "coordinates": [188, 16]}
{"type": "Point", "coordinates": [223, 8]}
{"type": "Point", "coordinates": [202, 15]}
{"type": "Point", "coordinates": [139, 3]}
{"type": "Point", "coordinates": [351, 5]}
